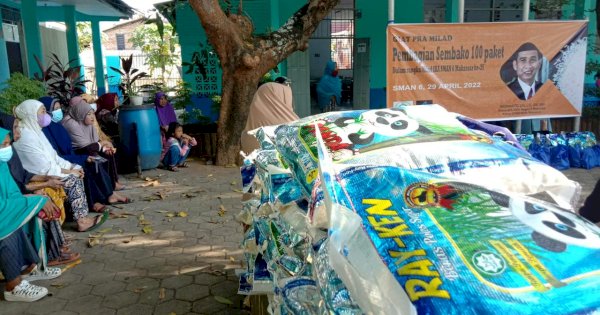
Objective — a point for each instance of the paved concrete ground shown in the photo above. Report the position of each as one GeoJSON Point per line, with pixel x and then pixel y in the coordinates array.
{"type": "Point", "coordinates": [183, 266]}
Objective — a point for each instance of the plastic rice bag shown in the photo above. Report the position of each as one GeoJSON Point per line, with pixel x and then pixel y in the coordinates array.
{"type": "Point", "coordinates": [425, 138]}
{"type": "Point", "coordinates": [456, 248]}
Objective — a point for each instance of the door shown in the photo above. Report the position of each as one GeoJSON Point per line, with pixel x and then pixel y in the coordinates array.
{"type": "Point", "coordinates": [362, 69]}
{"type": "Point", "coordinates": [298, 71]}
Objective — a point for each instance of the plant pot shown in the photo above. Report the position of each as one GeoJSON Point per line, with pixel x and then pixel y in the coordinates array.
{"type": "Point", "coordinates": [136, 100]}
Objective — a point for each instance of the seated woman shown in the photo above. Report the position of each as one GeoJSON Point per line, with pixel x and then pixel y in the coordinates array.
{"type": "Point", "coordinates": [165, 111]}
{"type": "Point", "coordinates": [38, 157]}
{"type": "Point", "coordinates": [99, 185]}
{"type": "Point", "coordinates": [107, 114]}
{"type": "Point", "coordinates": [79, 124]}
{"type": "Point", "coordinates": [18, 258]}
{"type": "Point", "coordinates": [177, 147]}
{"type": "Point", "coordinates": [57, 247]}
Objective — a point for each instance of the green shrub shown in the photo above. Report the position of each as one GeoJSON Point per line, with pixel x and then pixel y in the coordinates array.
{"type": "Point", "coordinates": [18, 89]}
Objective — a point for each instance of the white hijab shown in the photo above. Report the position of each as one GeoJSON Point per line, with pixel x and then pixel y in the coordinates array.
{"type": "Point", "coordinates": [36, 153]}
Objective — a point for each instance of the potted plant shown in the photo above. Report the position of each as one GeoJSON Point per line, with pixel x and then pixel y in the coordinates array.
{"type": "Point", "coordinates": [128, 77]}
{"type": "Point", "coordinates": [62, 80]}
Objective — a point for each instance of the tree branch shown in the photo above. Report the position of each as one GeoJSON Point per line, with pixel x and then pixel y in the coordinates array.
{"type": "Point", "coordinates": [296, 32]}
{"type": "Point", "coordinates": [217, 25]}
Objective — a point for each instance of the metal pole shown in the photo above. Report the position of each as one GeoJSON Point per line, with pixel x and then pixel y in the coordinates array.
{"type": "Point", "coordinates": [461, 11]}
{"type": "Point", "coordinates": [518, 123]}
{"type": "Point", "coordinates": [390, 11]}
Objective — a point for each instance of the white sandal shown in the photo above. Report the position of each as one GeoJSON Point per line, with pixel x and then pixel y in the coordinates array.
{"type": "Point", "coordinates": [25, 292]}
{"type": "Point", "coordinates": [37, 275]}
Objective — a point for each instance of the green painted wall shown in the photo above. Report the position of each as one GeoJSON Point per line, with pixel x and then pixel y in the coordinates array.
{"type": "Point", "coordinates": [373, 23]}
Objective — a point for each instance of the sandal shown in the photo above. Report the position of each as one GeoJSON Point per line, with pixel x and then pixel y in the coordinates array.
{"type": "Point", "coordinates": [37, 275]}
{"type": "Point", "coordinates": [25, 292]}
{"type": "Point", "coordinates": [64, 259]}
{"type": "Point", "coordinates": [98, 223]}
{"type": "Point", "coordinates": [183, 165]}
{"type": "Point", "coordinates": [173, 168]}
{"type": "Point", "coordinates": [99, 209]}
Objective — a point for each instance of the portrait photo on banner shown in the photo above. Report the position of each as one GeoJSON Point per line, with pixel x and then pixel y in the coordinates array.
{"type": "Point", "coordinates": [525, 71]}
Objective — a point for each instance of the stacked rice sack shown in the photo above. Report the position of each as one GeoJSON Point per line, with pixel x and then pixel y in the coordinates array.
{"type": "Point", "coordinates": [409, 211]}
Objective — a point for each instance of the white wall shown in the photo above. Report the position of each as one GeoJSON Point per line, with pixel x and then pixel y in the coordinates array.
{"type": "Point", "coordinates": [319, 54]}
{"type": "Point", "coordinates": [54, 42]}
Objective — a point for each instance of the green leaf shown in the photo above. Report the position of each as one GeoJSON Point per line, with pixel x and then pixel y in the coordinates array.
{"type": "Point", "coordinates": [223, 300]}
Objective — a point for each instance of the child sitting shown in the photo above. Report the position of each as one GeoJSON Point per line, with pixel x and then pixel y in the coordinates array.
{"type": "Point", "coordinates": [176, 147]}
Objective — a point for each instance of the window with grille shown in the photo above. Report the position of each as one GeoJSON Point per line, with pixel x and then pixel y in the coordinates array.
{"type": "Point", "coordinates": [338, 27]}
{"type": "Point", "coordinates": [120, 42]}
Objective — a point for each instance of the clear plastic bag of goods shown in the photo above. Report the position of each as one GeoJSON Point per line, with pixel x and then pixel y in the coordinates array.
{"type": "Point", "coordinates": [408, 242]}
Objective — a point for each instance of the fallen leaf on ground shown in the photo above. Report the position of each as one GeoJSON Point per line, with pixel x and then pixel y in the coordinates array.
{"type": "Point", "coordinates": [153, 183]}
{"type": "Point", "coordinates": [222, 210]}
{"type": "Point", "coordinates": [126, 241]}
{"type": "Point", "coordinates": [209, 175]}
{"type": "Point", "coordinates": [182, 214]}
{"type": "Point", "coordinates": [223, 300]}
{"type": "Point", "coordinates": [141, 217]}
{"type": "Point", "coordinates": [57, 285]}
{"type": "Point", "coordinates": [93, 242]}
{"type": "Point", "coordinates": [162, 211]}
{"type": "Point", "coordinates": [139, 290]}
{"type": "Point", "coordinates": [237, 191]}
{"type": "Point", "coordinates": [147, 229]}
{"type": "Point", "coordinates": [71, 265]}
{"type": "Point", "coordinates": [105, 230]}
{"type": "Point", "coordinates": [172, 313]}
{"type": "Point", "coordinates": [170, 215]}
{"type": "Point", "coordinates": [161, 294]}
{"type": "Point", "coordinates": [145, 222]}
{"type": "Point", "coordinates": [233, 183]}
{"type": "Point", "coordinates": [232, 259]}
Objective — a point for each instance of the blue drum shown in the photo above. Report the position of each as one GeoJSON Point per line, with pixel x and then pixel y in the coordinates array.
{"type": "Point", "coordinates": [140, 137]}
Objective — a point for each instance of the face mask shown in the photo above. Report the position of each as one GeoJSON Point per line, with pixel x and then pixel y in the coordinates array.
{"type": "Point", "coordinates": [44, 120]}
{"type": "Point", "coordinates": [334, 73]}
{"type": "Point", "coordinates": [57, 115]}
{"type": "Point", "coordinates": [94, 106]}
{"type": "Point", "coordinates": [6, 154]}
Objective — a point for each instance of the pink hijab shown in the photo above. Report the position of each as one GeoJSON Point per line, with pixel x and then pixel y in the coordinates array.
{"type": "Point", "coordinates": [271, 105]}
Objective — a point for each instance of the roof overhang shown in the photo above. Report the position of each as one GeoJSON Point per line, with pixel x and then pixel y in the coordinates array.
{"type": "Point", "coordinates": [100, 10]}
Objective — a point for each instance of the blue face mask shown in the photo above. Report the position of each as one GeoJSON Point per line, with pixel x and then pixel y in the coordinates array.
{"type": "Point", "coordinates": [6, 154]}
{"type": "Point", "coordinates": [57, 115]}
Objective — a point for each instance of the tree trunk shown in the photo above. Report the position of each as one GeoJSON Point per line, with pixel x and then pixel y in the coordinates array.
{"type": "Point", "coordinates": [245, 58]}
{"type": "Point", "coordinates": [238, 90]}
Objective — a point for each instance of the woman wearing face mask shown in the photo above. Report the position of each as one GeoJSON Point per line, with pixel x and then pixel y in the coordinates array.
{"type": "Point", "coordinates": [57, 247]}
{"type": "Point", "coordinates": [79, 123]}
{"type": "Point", "coordinates": [329, 88]}
{"type": "Point", "coordinates": [98, 183]}
{"type": "Point", "coordinates": [40, 158]}
{"type": "Point", "coordinates": [107, 114]}
{"type": "Point", "coordinates": [20, 263]}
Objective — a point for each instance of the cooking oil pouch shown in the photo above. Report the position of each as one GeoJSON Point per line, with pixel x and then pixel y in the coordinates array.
{"type": "Point", "coordinates": [333, 291]}
{"type": "Point", "coordinates": [457, 248]}
{"type": "Point", "coordinates": [300, 295]}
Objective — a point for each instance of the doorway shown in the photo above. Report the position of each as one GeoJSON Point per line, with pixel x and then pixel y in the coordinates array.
{"type": "Point", "coordinates": [334, 40]}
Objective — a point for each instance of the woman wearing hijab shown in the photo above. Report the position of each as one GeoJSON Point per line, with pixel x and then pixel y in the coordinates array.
{"type": "Point", "coordinates": [271, 105]}
{"type": "Point", "coordinates": [79, 123]}
{"type": "Point", "coordinates": [107, 113]}
{"type": "Point", "coordinates": [329, 86]}
{"type": "Point", "coordinates": [18, 258]}
{"type": "Point", "coordinates": [57, 248]}
{"type": "Point", "coordinates": [38, 157]}
{"type": "Point", "coordinates": [165, 111]}
{"type": "Point", "coordinates": [98, 182]}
